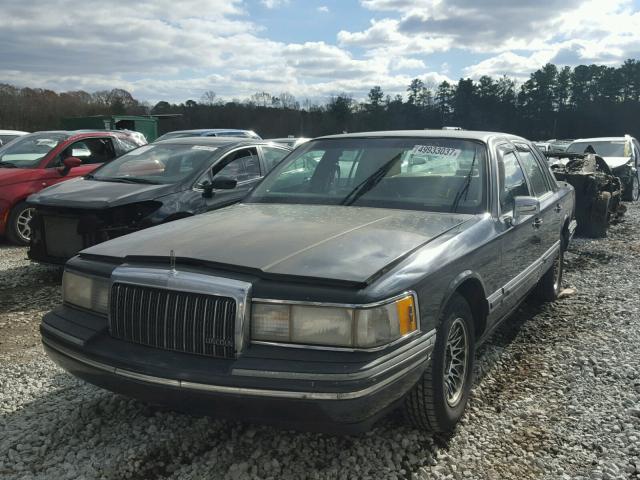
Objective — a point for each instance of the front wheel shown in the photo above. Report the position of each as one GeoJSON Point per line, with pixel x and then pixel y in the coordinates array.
{"type": "Point", "coordinates": [632, 190]}
{"type": "Point", "coordinates": [19, 224]}
{"type": "Point", "coordinates": [438, 400]}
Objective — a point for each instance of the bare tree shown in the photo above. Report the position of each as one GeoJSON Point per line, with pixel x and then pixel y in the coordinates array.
{"type": "Point", "coordinates": [208, 98]}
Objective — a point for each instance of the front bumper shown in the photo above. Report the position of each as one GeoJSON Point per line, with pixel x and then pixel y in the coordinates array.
{"type": "Point", "coordinates": [312, 390]}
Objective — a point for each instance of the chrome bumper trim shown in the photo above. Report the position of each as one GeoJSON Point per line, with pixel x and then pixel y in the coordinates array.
{"type": "Point", "coordinates": [411, 351]}
{"type": "Point", "coordinates": [254, 392]}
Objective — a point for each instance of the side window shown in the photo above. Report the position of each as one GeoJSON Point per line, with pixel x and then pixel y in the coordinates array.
{"type": "Point", "coordinates": [90, 151]}
{"type": "Point", "coordinates": [272, 156]}
{"type": "Point", "coordinates": [348, 162]}
{"type": "Point", "coordinates": [534, 172]}
{"type": "Point", "coordinates": [512, 181]}
{"type": "Point", "coordinates": [243, 166]}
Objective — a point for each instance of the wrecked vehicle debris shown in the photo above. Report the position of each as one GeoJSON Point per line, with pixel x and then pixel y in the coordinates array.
{"type": "Point", "coordinates": [598, 191]}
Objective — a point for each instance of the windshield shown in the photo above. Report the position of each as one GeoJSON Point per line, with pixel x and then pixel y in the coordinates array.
{"type": "Point", "coordinates": [608, 148]}
{"type": "Point", "coordinates": [432, 174]}
{"type": "Point", "coordinates": [159, 164]}
{"type": "Point", "coordinates": [28, 150]}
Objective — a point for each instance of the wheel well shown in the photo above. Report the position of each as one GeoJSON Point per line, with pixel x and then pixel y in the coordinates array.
{"type": "Point", "coordinates": [565, 234]}
{"type": "Point", "coordinates": [473, 293]}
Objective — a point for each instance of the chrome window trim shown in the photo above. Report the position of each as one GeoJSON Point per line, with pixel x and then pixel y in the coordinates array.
{"type": "Point", "coordinates": [354, 306]}
{"type": "Point", "coordinates": [190, 282]}
{"type": "Point", "coordinates": [223, 389]}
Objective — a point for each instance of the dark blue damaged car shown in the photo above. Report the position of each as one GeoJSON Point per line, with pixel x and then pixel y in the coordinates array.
{"type": "Point", "coordinates": [356, 278]}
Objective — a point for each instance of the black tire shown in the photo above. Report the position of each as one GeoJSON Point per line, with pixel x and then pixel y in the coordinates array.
{"type": "Point", "coordinates": [550, 284]}
{"type": "Point", "coordinates": [599, 218]}
{"type": "Point", "coordinates": [15, 228]}
{"type": "Point", "coordinates": [632, 189]}
{"type": "Point", "coordinates": [426, 405]}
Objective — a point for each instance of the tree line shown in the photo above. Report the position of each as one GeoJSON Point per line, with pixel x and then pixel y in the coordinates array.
{"type": "Point", "coordinates": [555, 102]}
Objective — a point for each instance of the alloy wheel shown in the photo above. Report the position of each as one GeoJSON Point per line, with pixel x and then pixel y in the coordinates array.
{"type": "Point", "coordinates": [635, 188]}
{"type": "Point", "coordinates": [23, 224]}
{"type": "Point", "coordinates": [456, 362]}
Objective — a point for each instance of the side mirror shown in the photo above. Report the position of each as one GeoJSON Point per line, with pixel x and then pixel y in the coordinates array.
{"type": "Point", "coordinates": [224, 183]}
{"type": "Point", "coordinates": [524, 207]}
{"type": "Point", "coordinates": [207, 189]}
{"type": "Point", "coordinates": [68, 164]}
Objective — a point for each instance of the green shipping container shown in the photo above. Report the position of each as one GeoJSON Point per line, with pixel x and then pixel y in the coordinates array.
{"type": "Point", "coordinates": [147, 125]}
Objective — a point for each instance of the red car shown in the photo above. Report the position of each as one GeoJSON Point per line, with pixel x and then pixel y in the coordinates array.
{"type": "Point", "coordinates": [41, 159]}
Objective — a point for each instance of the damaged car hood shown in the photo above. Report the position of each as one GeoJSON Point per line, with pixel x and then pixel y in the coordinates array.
{"type": "Point", "coordinates": [92, 194]}
{"type": "Point", "coordinates": [329, 242]}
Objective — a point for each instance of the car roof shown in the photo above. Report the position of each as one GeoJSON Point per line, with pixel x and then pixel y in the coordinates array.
{"type": "Point", "coordinates": [457, 134]}
{"type": "Point", "coordinates": [81, 133]}
{"type": "Point", "coordinates": [214, 141]}
{"type": "Point", "coordinates": [602, 139]}
{"type": "Point", "coordinates": [212, 130]}
{"type": "Point", "coordinates": [12, 132]}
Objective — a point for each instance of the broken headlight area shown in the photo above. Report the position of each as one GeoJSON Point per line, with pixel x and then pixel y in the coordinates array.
{"type": "Point", "coordinates": [61, 233]}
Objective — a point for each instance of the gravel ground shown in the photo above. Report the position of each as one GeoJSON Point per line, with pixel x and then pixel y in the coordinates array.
{"type": "Point", "coordinates": [557, 396]}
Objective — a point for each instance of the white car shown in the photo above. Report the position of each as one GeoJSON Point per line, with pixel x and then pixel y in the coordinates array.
{"type": "Point", "coordinates": [7, 135]}
{"type": "Point", "coordinates": [622, 155]}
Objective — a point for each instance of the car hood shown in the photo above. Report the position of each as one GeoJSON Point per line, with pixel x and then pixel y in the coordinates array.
{"type": "Point", "coordinates": [92, 194]}
{"type": "Point", "coordinates": [9, 176]}
{"type": "Point", "coordinates": [350, 244]}
{"type": "Point", "coordinates": [615, 162]}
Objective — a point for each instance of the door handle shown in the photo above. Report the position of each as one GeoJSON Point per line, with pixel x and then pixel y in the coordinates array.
{"type": "Point", "coordinates": [558, 208]}
{"type": "Point", "coordinates": [537, 223]}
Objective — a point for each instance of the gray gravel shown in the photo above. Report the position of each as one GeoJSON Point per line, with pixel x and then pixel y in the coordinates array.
{"type": "Point", "coordinates": [557, 396]}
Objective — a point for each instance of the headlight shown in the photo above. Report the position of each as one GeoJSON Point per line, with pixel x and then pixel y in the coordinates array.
{"type": "Point", "coordinates": [350, 327]}
{"type": "Point", "coordinates": [85, 291]}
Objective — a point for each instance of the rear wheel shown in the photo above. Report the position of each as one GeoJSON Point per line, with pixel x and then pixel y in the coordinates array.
{"type": "Point", "coordinates": [438, 400]}
{"type": "Point", "coordinates": [599, 218]}
{"type": "Point", "coordinates": [550, 284]}
{"type": "Point", "coordinates": [19, 224]}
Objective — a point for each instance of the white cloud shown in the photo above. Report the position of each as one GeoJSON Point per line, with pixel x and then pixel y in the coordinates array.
{"type": "Point", "coordinates": [323, 9]}
{"type": "Point", "coordinates": [274, 3]}
{"type": "Point", "coordinates": [160, 49]}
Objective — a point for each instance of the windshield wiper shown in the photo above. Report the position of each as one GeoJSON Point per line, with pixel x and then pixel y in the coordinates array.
{"type": "Point", "coordinates": [126, 180]}
{"type": "Point", "coordinates": [465, 187]}
{"type": "Point", "coordinates": [8, 165]}
{"type": "Point", "coordinates": [368, 183]}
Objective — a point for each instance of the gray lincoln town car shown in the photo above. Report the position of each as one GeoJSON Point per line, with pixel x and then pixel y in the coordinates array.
{"type": "Point", "coordinates": [356, 278]}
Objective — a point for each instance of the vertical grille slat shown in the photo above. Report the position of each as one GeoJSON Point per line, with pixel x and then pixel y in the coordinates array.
{"type": "Point", "coordinates": [172, 320]}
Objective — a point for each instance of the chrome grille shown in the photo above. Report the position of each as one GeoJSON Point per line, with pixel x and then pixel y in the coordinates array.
{"type": "Point", "coordinates": [173, 320]}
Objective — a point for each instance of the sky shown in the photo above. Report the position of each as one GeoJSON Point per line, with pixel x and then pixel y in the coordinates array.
{"type": "Point", "coordinates": [176, 50]}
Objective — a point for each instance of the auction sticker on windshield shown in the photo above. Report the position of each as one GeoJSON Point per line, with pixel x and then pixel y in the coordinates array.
{"type": "Point", "coordinates": [204, 147]}
{"type": "Point", "coordinates": [448, 152]}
